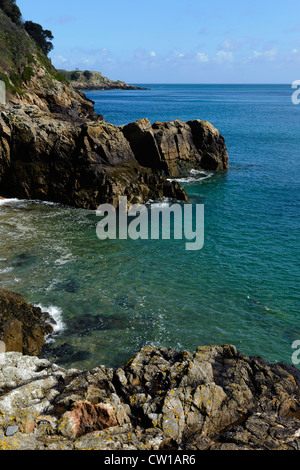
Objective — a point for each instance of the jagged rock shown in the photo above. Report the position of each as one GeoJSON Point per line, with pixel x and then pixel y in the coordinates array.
{"type": "Point", "coordinates": [85, 418]}
{"type": "Point", "coordinates": [122, 438]}
{"type": "Point", "coordinates": [87, 163]}
{"type": "Point", "coordinates": [176, 147]}
{"type": "Point", "coordinates": [213, 399]}
{"type": "Point", "coordinates": [210, 145]}
{"type": "Point", "coordinates": [23, 328]}
{"type": "Point", "coordinates": [140, 135]}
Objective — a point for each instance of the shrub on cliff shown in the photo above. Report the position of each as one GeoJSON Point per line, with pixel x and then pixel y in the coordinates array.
{"type": "Point", "coordinates": [75, 76]}
{"type": "Point", "coordinates": [27, 74]}
{"type": "Point", "coordinates": [87, 74]}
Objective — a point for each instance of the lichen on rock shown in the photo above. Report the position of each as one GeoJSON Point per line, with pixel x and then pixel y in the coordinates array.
{"type": "Point", "coordinates": [213, 399]}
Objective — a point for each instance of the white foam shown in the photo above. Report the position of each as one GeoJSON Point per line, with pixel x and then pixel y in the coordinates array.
{"type": "Point", "coordinates": [196, 175]}
{"type": "Point", "coordinates": [6, 270]}
{"type": "Point", "coordinates": [4, 202]}
{"type": "Point", "coordinates": [56, 314]}
{"type": "Point", "coordinates": [64, 259]}
{"type": "Point", "coordinates": [12, 201]}
{"type": "Point", "coordinates": [164, 202]}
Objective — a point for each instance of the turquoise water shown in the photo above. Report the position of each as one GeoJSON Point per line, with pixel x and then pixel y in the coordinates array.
{"type": "Point", "coordinates": [113, 297]}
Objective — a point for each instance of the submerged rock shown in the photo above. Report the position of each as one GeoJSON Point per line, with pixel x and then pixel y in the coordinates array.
{"type": "Point", "coordinates": [213, 399]}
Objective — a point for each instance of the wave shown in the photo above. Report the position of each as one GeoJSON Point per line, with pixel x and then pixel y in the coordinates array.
{"type": "Point", "coordinates": [9, 201]}
{"type": "Point", "coordinates": [6, 270]}
{"type": "Point", "coordinates": [58, 325]}
{"type": "Point", "coordinates": [196, 175]}
{"type": "Point", "coordinates": [4, 201]}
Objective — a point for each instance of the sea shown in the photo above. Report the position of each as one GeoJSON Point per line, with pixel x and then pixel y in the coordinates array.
{"type": "Point", "coordinates": [110, 298]}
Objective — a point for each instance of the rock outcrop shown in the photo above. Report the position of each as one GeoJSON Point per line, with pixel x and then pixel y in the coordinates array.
{"type": "Point", "coordinates": [176, 147]}
{"type": "Point", "coordinates": [85, 163]}
{"type": "Point", "coordinates": [23, 327]}
{"type": "Point", "coordinates": [90, 80]}
{"type": "Point", "coordinates": [213, 399]}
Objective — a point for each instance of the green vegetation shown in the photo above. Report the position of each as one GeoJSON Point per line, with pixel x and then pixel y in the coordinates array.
{"type": "Point", "coordinates": [87, 74]}
{"type": "Point", "coordinates": [88, 78]}
{"type": "Point", "coordinates": [75, 76]}
{"type": "Point", "coordinates": [16, 53]}
{"type": "Point", "coordinates": [42, 37]}
{"type": "Point", "coordinates": [27, 74]}
{"type": "Point", "coordinates": [9, 86]}
{"type": "Point", "coordinates": [11, 10]}
{"type": "Point", "coordinates": [30, 59]}
{"type": "Point", "coordinates": [20, 54]}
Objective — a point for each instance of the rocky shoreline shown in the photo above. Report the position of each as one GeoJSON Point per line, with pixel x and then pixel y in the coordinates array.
{"type": "Point", "coordinates": [85, 161]}
{"type": "Point", "coordinates": [119, 86]}
{"type": "Point", "coordinates": [90, 80]}
{"type": "Point", "coordinates": [162, 399]}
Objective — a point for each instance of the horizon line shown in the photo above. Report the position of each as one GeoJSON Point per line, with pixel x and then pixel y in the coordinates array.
{"type": "Point", "coordinates": [198, 83]}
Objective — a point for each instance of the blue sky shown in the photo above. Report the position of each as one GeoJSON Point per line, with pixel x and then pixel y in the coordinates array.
{"type": "Point", "coordinates": [174, 41]}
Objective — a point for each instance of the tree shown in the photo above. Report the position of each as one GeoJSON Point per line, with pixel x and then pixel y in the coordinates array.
{"type": "Point", "coordinates": [40, 35]}
{"type": "Point", "coordinates": [87, 74]}
{"type": "Point", "coordinates": [12, 10]}
{"type": "Point", "coordinates": [75, 76]}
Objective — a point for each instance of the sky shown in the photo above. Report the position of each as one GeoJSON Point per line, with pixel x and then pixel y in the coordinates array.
{"type": "Point", "coordinates": [174, 41]}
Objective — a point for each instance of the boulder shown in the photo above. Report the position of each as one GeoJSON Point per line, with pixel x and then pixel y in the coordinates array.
{"type": "Point", "coordinates": [23, 327]}
{"type": "Point", "coordinates": [176, 147]}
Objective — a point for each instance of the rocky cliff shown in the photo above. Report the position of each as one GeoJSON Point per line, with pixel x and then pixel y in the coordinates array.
{"type": "Point", "coordinates": [30, 77]}
{"type": "Point", "coordinates": [84, 163]}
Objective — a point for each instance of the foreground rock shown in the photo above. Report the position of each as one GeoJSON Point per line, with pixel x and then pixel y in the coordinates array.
{"type": "Point", "coordinates": [214, 399]}
{"type": "Point", "coordinates": [85, 163]}
{"type": "Point", "coordinates": [23, 327]}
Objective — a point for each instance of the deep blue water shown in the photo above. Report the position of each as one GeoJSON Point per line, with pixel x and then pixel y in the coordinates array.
{"type": "Point", "coordinates": [242, 288]}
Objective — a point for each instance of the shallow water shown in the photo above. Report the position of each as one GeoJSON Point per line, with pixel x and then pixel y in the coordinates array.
{"type": "Point", "coordinates": [113, 297]}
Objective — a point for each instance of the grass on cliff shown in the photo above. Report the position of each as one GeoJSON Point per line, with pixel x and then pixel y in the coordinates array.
{"type": "Point", "coordinates": [18, 54]}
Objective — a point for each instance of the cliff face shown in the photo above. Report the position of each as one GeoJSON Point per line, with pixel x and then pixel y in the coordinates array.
{"type": "Point", "coordinates": [31, 79]}
{"type": "Point", "coordinates": [84, 164]}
